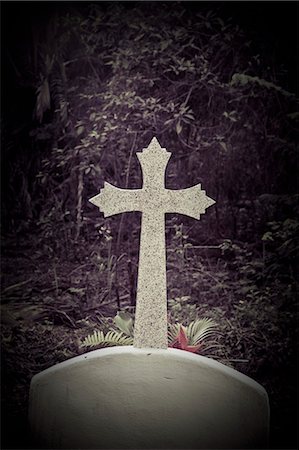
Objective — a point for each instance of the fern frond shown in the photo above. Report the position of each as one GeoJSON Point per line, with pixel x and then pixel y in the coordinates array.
{"type": "Point", "coordinates": [173, 331]}
{"type": "Point", "coordinates": [200, 330]}
{"type": "Point", "coordinates": [98, 338]}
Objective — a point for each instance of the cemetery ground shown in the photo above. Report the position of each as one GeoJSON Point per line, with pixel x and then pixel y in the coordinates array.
{"type": "Point", "coordinates": [52, 299]}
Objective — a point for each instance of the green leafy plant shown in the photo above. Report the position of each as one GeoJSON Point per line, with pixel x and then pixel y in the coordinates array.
{"type": "Point", "coordinates": [191, 337]}
{"type": "Point", "coordinates": [123, 336]}
{"type": "Point", "coordinates": [125, 323]}
{"type": "Point", "coordinates": [188, 338]}
{"type": "Point", "coordinates": [98, 338]}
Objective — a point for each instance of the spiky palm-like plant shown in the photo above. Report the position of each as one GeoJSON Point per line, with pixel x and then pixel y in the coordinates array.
{"type": "Point", "coordinates": [189, 338]}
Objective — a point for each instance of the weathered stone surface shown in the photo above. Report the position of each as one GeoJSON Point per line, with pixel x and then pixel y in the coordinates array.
{"type": "Point", "coordinates": [128, 398]}
{"type": "Point", "coordinates": [154, 201]}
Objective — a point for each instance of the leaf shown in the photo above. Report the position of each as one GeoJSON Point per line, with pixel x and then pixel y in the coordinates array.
{"type": "Point", "coordinates": [178, 127]}
{"type": "Point", "coordinates": [173, 330]}
{"type": "Point", "coordinates": [193, 348]}
{"type": "Point", "coordinates": [80, 130]}
{"type": "Point", "coordinates": [164, 45]}
{"type": "Point", "coordinates": [220, 21]}
{"type": "Point", "coordinates": [181, 342]}
{"type": "Point", "coordinates": [111, 338]}
{"type": "Point", "coordinates": [182, 338]}
{"type": "Point", "coordinates": [199, 330]}
{"type": "Point", "coordinates": [223, 145]}
{"type": "Point", "coordinates": [124, 322]}
{"type": "Point", "coordinates": [189, 116]}
{"type": "Point", "coordinates": [268, 236]}
{"type": "Point", "coordinates": [43, 100]}
{"type": "Point", "coordinates": [74, 290]}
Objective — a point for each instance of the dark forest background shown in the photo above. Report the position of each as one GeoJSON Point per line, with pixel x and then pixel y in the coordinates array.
{"type": "Point", "coordinates": [86, 85]}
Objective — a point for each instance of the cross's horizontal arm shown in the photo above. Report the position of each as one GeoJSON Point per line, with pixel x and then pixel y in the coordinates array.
{"type": "Point", "coordinates": [113, 200]}
{"type": "Point", "coordinates": [191, 202]}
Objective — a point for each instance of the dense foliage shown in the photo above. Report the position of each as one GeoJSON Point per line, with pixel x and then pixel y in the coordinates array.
{"type": "Point", "coordinates": [109, 78]}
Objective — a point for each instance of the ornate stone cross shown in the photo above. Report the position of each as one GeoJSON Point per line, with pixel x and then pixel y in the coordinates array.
{"type": "Point", "coordinates": [153, 200]}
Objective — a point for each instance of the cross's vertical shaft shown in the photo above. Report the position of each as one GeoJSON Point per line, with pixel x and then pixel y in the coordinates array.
{"type": "Point", "coordinates": [151, 303]}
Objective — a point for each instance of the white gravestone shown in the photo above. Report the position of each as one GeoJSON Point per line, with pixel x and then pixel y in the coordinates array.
{"type": "Point", "coordinates": [143, 397]}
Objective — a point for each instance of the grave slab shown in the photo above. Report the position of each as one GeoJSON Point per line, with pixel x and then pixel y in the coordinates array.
{"type": "Point", "coordinates": [131, 398]}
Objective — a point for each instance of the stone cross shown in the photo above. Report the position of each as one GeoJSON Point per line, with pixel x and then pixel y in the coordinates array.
{"type": "Point", "coordinates": [153, 200]}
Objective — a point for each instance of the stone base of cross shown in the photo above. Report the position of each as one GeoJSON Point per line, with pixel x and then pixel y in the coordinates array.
{"type": "Point", "coordinates": [154, 201]}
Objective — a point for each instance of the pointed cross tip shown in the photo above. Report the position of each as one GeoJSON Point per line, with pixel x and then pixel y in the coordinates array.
{"type": "Point", "coordinates": [91, 200]}
{"type": "Point", "coordinates": [210, 201]}
{"type": "Point", "coordinates": [155, 141]}
{"type": "Point", "coordinates": [95, 200]}
{"type": "Point", "coordinates": [154, 147]}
